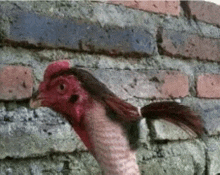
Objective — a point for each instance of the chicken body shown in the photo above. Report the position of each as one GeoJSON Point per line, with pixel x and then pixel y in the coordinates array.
{"type": "Point", "coordinates": [88, 105]}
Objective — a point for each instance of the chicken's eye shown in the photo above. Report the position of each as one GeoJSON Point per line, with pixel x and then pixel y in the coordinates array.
{"type": "Point", "coordinates": [61, 88]}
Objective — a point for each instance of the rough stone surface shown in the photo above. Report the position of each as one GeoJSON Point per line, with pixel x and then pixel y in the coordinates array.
{"type": "Point", "coordinates": [213, 151]}
{"type": "Point", "coordinates": [208, 86]}
{"type": "Point", "coordinates": [170, 161]}
{"type": "Point", "coordinates": [192, 148]}
{"type": "Point", "coordinates": [166, 131]}
{"type": "Point", "coordinates": [26, 133]}
{"type": "Point", "coordinates": [205, 11]}
{"type": "Point", "coordinates": [164, 158]}
{"type": "Point", "coordinates": [63, 164]}
{"type": "Point", "coordinates": [183, 44]}
{"type": "Point", "coordinates": [169, 166]}
{"type": "Point", "coordinates": [164, 6]}
{"type": "Point", "coordinates": [16, 83]}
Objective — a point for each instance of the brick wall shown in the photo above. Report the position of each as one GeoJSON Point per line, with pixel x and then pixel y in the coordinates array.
{"type": "Point", "coordinates": [142, 50]}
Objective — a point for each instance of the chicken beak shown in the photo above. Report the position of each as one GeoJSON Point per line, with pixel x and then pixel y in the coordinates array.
{"type": "Point", "coordinates": [35, 101]}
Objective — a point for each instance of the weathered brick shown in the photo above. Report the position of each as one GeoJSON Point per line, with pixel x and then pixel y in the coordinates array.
{"type": "Point", "coordinates": [205, 11]}
{"type": "Point", "coordinates": [16, 83]}
{"type": "Point", "coordinates": [208, 86]}
{"type": "Point", "coordinates": [189, 45]}
{"type": "Point", "coordinates": [78, 35]}
{"type": "Point", "coordinates": [149, 84]}
{"type": "Point", "coordinates": [164, 6]}
{"type": "Point", "coordinates": [175, 84]}
{"type": "Point", "coordinates": [117, 41]}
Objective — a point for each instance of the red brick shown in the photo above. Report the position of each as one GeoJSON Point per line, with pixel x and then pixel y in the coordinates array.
{"type": "Point", "coordinates": [163, 6]}
{"type": "Point", "coordinates": [205, 11]}
{"type": "Point", "coordinates": [16, 83]}
{"type": "Point", "coordinates": [190, 46]}
{"type": "Point", "coordinates": [175, 84]}
{"type": "Point", "coordinates": [208, 86]}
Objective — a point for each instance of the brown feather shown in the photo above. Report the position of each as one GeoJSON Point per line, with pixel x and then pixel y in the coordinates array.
{"type": "Point", "coordinates": [175, 113]}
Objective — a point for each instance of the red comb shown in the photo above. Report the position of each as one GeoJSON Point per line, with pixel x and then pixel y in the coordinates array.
{"type": "Point", "coordinates": [56, 67]}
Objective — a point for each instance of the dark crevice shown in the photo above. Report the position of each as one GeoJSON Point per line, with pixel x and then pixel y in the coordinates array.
{"type": "Point", "coordinates": [152, 131]}
{"type": "Point", "coordinates": [162, 142]}
{"type": "Point", "coordinates": [19, 101]}
{"type": "Point", "coordinates": [48, 155]}
{"type": "Point", "coordinates": [207, 162]}
{"type": "Point", "coordinates": [39, 47]}
{"type": "Point", "coordinates": [189, 16]}
{"type": "Point", "coordinates": [183, 57]}
{"type": "Point", "coordinates": [159, 40]}
{"type": "Point", "coordinates": [186, 9]}
{"type": "Point", "coordinates": [133, 134]}
{"type": "Point", "coordinates": [66, 169]}
{"type": "Point", "coordinates": [35, 114]}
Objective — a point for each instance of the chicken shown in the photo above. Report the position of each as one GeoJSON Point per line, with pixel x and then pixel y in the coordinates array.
{"type": "Point", "coordinates": [107, 125]}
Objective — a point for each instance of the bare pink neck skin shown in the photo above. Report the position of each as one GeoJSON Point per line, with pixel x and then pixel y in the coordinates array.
{"type": "Point", "coordinates": [107, 141]}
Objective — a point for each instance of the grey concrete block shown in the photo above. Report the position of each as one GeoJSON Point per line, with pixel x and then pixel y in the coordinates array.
{"type": "Point", "coordinates": [164, 130]}
{"type": "Point", "coordinates": [54, 164]}
{"type": "Point", "coordinates": [171, 157]}
{"type": "Point", "coordinates": [168, 166]}
{"type": "Point", "coordinates": [26, 133]}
